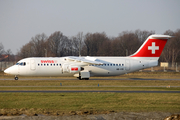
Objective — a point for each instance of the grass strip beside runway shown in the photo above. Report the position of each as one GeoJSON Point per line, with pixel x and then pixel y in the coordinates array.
{"type": "Point", "coordinates": [93, 102]}
{"type": "Point", "coordinates": [109, 82]}
{"type": "Point", "coordinates": [65, 102]}
{"type": "Point", "coordinates": [36, 88]}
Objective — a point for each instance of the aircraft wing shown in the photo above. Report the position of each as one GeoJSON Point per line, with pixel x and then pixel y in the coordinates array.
{"type": "Point", "coordinates": [86, 60]}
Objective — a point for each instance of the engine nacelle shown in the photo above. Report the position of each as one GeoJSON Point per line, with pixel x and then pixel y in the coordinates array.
{"type": "Point", "coordinates": [74, 68]}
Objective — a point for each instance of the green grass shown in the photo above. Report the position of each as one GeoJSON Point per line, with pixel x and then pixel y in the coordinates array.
{"type": "Point", "coordinates": [53, 103]}
{"type": "Point", "coordinates": [89, 85]}
{"type": "Point", "coordinates": [92, 88]}
{"type": "Point", "coordinates": [91, 101]}
{"type": "Point", "coordinates": [109, 82]}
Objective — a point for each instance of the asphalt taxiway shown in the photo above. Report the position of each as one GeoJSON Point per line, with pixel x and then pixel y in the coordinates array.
{"type": "Point", "coordinates": [89, 79]}
{"type": "Point", "coordinates": [81, 91]}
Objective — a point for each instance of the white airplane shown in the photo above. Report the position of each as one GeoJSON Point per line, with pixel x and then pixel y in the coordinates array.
{"type": "Point", "coordinates": [85, 67]}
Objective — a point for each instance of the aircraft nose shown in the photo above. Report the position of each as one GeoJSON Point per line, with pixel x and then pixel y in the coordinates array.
{"type": "Point", "coordinates": [7, 71]}
{"type": "Point", "coordinates": [13, 70]}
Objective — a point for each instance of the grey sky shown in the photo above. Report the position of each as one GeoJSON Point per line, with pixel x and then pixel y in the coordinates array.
{"type": "Point", "coordinates": [20, 20]}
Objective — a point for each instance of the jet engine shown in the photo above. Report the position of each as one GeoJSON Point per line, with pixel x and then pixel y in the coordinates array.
{"type": "Point", "coordinates": [74, 68]}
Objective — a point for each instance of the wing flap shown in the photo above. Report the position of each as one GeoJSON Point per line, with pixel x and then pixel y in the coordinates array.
{"type": "Point", "coordinates": [88, 60]}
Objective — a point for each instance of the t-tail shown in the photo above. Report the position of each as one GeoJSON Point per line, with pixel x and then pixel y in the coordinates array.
{"type": "Point", "coordinates": [152, 48]}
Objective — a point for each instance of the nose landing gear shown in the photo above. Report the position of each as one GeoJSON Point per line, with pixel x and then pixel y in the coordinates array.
{"type": "Point", "coordinates": [15, 78]}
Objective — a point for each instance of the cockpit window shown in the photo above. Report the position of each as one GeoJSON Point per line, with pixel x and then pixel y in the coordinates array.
{"type": "Point", "coordinates": [21, 63]}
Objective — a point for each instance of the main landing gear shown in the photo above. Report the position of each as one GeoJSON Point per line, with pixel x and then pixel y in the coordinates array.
{"type": "Point", "coordinates": [82, 78]}
{"type": "Point", "coordinates": [84, 75]}
{"type": "Point", "coordinates": [16, 78]}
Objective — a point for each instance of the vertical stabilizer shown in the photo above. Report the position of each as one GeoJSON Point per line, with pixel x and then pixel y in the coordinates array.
{"type": "Point", "coordinates": [152, 48]}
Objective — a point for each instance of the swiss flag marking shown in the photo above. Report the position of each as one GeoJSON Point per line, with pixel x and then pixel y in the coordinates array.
{"type": "Point", "coordinates": [74, 69]}
{"type": "Point", "coordinates": [153, 48]}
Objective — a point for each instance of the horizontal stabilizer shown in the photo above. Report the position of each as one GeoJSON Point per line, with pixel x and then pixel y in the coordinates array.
{"type": "Point", "coordinates": [160, 36]}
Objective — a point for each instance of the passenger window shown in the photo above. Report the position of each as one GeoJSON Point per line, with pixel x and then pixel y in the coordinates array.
{"type": "Point", "coordinates": [38, 64]}
{"type": "Point", "coordinates": [47, 64]}
{"type": "Point", "coordinates": [116, 64]}
{"type": "Point", "coordinates": [122, 64]}
{"type": "Point", "coordinates": [113, 64]}
{"type": "Point", "coordinates": [59, 64]}
{"type": "Point", "coordinates": [119, 64]}
{"type": "Point", "coordinates": [44, 64]}
{"type": "Point", "coordinates": [107, 64]}
{"type": "Point", "coordinates": [51, 64]}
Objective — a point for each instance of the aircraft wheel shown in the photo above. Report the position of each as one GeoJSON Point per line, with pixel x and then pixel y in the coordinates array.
{"type": "Point", "coordinates": [82, 78]}
{"type": "Point", "coordinates": [85, 79]}
{"type": "Point", "coordinates": [79, 78]}
{"type": "Point", "coordinates": [16, 78]}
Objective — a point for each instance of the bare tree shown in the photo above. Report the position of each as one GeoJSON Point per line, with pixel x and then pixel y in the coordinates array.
{"type": "Point", "coordinates": [93, 43]}
{"type": "Point", "coordinates": [38, 44]}
{"type": "Point", "coordinates": [128, 41]}
{"type": "Point", "coordinates": [115, 47]}
{"type": "Point", "coordinates": [56, 43]}
{"type": "Point", "coordinates": [1, 48]}
{"type": "Point", "coordinates": [35, 48]}
{"type": "Point", "coordinates": [67, 49]}
{"type": "Point", "coordinates": [75, 45]}
{"type": "Point", "coordinates": [96, 44]}
{"type": "Point", "coordinates": [172, 50]}
{"type": "Point", "coordinates": [143, 35]}
{"type": "Point", "coordinates": [79, 38]}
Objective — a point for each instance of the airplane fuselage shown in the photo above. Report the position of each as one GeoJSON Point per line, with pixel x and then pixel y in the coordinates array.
{"type": "Point", "coordinates": [54, 66]}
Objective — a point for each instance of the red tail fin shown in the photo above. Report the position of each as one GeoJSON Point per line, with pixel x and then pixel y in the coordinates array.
{"type": "Point", "coordinates": [152, 47]}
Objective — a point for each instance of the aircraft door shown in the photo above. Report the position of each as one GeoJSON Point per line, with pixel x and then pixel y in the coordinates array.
{"type": "Point", "coordinates": [61, 69]}
{"type": "Point", "coordinates": [127, 65]}
{"type": "Point", "coordinates": [32, 64]}
{"type": "Point", "coordinates": [19, 68]}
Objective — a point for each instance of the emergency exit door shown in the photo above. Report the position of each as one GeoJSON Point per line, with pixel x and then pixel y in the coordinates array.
{"type": "Point", "coordinates": [33, 65]}
{"type": "Point", "coordinates": [127, 65]}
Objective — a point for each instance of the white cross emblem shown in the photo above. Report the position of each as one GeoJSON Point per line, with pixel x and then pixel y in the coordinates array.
{"type": "Point", "coordinates": [153, 48]}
